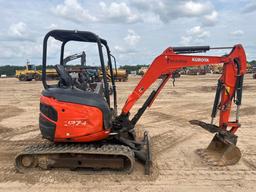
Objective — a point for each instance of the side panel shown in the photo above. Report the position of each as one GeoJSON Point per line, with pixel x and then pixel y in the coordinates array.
{"type": "Point", "coordinates": [75, 122]}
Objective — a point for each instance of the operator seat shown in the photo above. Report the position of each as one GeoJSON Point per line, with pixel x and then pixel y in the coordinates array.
{"type": "Point", "coordinates": [71, 94]}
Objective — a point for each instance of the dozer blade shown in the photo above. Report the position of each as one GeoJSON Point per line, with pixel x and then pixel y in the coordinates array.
{"type": "Point", "coordinates": [222, 150]}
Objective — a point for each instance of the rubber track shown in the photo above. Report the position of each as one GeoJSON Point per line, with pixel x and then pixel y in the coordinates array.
{"type": "Point", "coordinates": [55, 149]}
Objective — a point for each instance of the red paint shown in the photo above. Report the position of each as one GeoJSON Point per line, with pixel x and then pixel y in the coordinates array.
{"type": "Point", "coordinates": [76, 123]}
{"type": "Point", "coordinates": [168, 62]}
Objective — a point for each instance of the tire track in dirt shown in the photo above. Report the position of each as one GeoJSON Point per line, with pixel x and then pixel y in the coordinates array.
{"type": "Point", "coordinates": [7, 133]}
{"type": "Point", "coordinates": [250, 163]}
{"type": "Point", "coordinates": [158, 117]}
{"type": "Point", "coordinates": [247, 111]}
{"type": "Point", "coordinates": [4, 130]}
{"type": "Point", "coordinates": [9, 149]}
{"type": "Point", "coordinates": [203, 176]}
{"type": "Point", "coordinates": [8, 111]}
{"type": "Point", "coordinates": [168, 140]}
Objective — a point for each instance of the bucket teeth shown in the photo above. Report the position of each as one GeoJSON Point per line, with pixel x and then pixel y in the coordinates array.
{"type": "Point", "coordinates": [220, 152]}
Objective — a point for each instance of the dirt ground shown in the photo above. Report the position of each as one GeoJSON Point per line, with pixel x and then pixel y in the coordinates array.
{"type": "Point", "coordinates": [176, 166]}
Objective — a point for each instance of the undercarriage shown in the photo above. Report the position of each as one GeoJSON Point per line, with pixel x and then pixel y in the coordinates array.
{"type": "Point", "coordinates": [113, 155]}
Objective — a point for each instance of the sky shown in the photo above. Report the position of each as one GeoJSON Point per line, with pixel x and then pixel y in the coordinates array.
{"type": "Point", "coordinates": [136, 30]}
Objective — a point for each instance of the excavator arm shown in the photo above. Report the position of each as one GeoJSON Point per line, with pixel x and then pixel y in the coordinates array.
{"type": "Point", "coordinates": [171, 59]}
{"type": "Point", "coordinates": [76, 56]}
{"type": "Point", "coordinates": [222, 150]}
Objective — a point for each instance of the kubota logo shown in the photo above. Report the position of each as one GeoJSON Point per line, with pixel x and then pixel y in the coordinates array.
{"type": "Point", "coordinates": [198, 59]}
{"type": "Point", "coordinates": [75, 123]}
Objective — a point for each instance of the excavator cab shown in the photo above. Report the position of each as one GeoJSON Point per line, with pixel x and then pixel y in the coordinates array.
{"type": "Point", "coordinates": [63, 106]}
{"type": "Point", "coordinates": [85, 77]}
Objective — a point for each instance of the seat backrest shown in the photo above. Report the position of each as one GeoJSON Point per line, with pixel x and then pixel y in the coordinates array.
{"type": "Point", "coordinates": [99, 88]}
{"type": "Point", "coordinates": [64, 75]}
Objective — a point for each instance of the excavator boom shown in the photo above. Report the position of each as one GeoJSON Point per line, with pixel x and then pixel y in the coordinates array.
{"type": "Point", "coordinates": [229, 89]}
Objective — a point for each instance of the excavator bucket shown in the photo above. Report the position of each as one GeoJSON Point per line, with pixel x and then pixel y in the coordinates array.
{"type": "Point", "coordinates": [222, 150]}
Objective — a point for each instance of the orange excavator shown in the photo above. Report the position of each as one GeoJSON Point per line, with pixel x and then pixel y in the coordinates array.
{"type": "Point", "coordinates": [85, 131]}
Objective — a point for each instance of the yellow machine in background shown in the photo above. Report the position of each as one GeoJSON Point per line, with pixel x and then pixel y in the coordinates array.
{"type": "Point", "coordinates": [31, 73]}
{"type": "Point", "coordinates": [216, 69]}
{"type": "Point", "coordinates": [26, 74]}
{"type": "Point", "coordinates": [142, 70]}
{"type": "Point", "coordinates": [119, 74]}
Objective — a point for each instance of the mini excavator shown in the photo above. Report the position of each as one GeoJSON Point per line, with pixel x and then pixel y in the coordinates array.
{"type": "Point", "coordinates": [84, 131]}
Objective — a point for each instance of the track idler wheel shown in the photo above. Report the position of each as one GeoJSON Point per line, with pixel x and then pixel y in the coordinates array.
{"type": "Point", "coordinates": [23, 162]}
{"type": "Point", "coordinates": [220, 152]}
{"type": "Point", "coordinates": [27, 161]}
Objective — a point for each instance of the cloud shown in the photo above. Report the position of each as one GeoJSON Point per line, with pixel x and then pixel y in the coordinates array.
{"type": "Point", "coordinates": [192, 8]}
{"type": "Point", "coordinates": [7, 52]}
{"type": "Point", "coordinates": [118, 12]}
{"type": "Point", "coordinates": [132, 38]}
{"type": "Point", "coordinates": [198, 32]}
{"type": "Point", "coordinates": [72, 10]}
{"type": "Point", "coordinates": [168, 10]}
{"type": "Point", "coordinates": [18, 29]}
{"type": "Point", "coordinates": [158, 23]}
{"type": "Point", "coordinates": [185, 40]}
{"type": "Point", "coordinates": [17, 32]}
{"type": "Point", "coordinates": [211, 19]}
{"type": "Point", "coordinates": [52, 26]}
{"type": "Point", "coordinates": [148, 11]}
{"type": "Point", "coordinates": [250, 7]}
{"type": "Point", "coordinates": [194, 35]}
{"type": "Point", "coordinates": [121, 50]}
{"type": "Point", "coordinates": [237, 33]}
{"type": "Point", "coordinates": [115, 12]}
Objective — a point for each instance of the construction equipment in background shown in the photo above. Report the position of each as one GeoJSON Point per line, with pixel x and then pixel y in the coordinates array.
{"type": "Point", "coordinates": [93, 71]}
{"type": "Point", "coordinates": [30, 73]}
{"type": "Point", "coordinates": [254, 72]}
{"type": "Point", "coordinates": [119, 74]}
{"type": "Point", "coordinates": [249, 68]}
{"type": "Point", "coordinates": [87, 132]}
{"type": "Point", "coordinates": [175, 74]}
{"type": "Point", "coordinates": [199, 70]}
{"type": "Point", "coordinates": [74, 70]}
{"type": "Point", "coordinates": [51, 74]}
{"type": "Point", "coordinates": [216, 69]}
{"type": "Point", "coordinates": [74, 57]}
{"type": "Point", "coordinates": [142, 71]}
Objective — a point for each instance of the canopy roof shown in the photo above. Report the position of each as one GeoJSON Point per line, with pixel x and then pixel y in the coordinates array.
{"type": "Point", "coordinates": [74, 35]}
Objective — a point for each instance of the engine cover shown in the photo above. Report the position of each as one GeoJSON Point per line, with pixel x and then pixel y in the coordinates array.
{"type": "Point", "coordinates": [70, 122]}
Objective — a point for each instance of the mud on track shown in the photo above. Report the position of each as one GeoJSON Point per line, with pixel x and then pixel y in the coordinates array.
{"type": "Point", "coordinates": [176, 167]}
